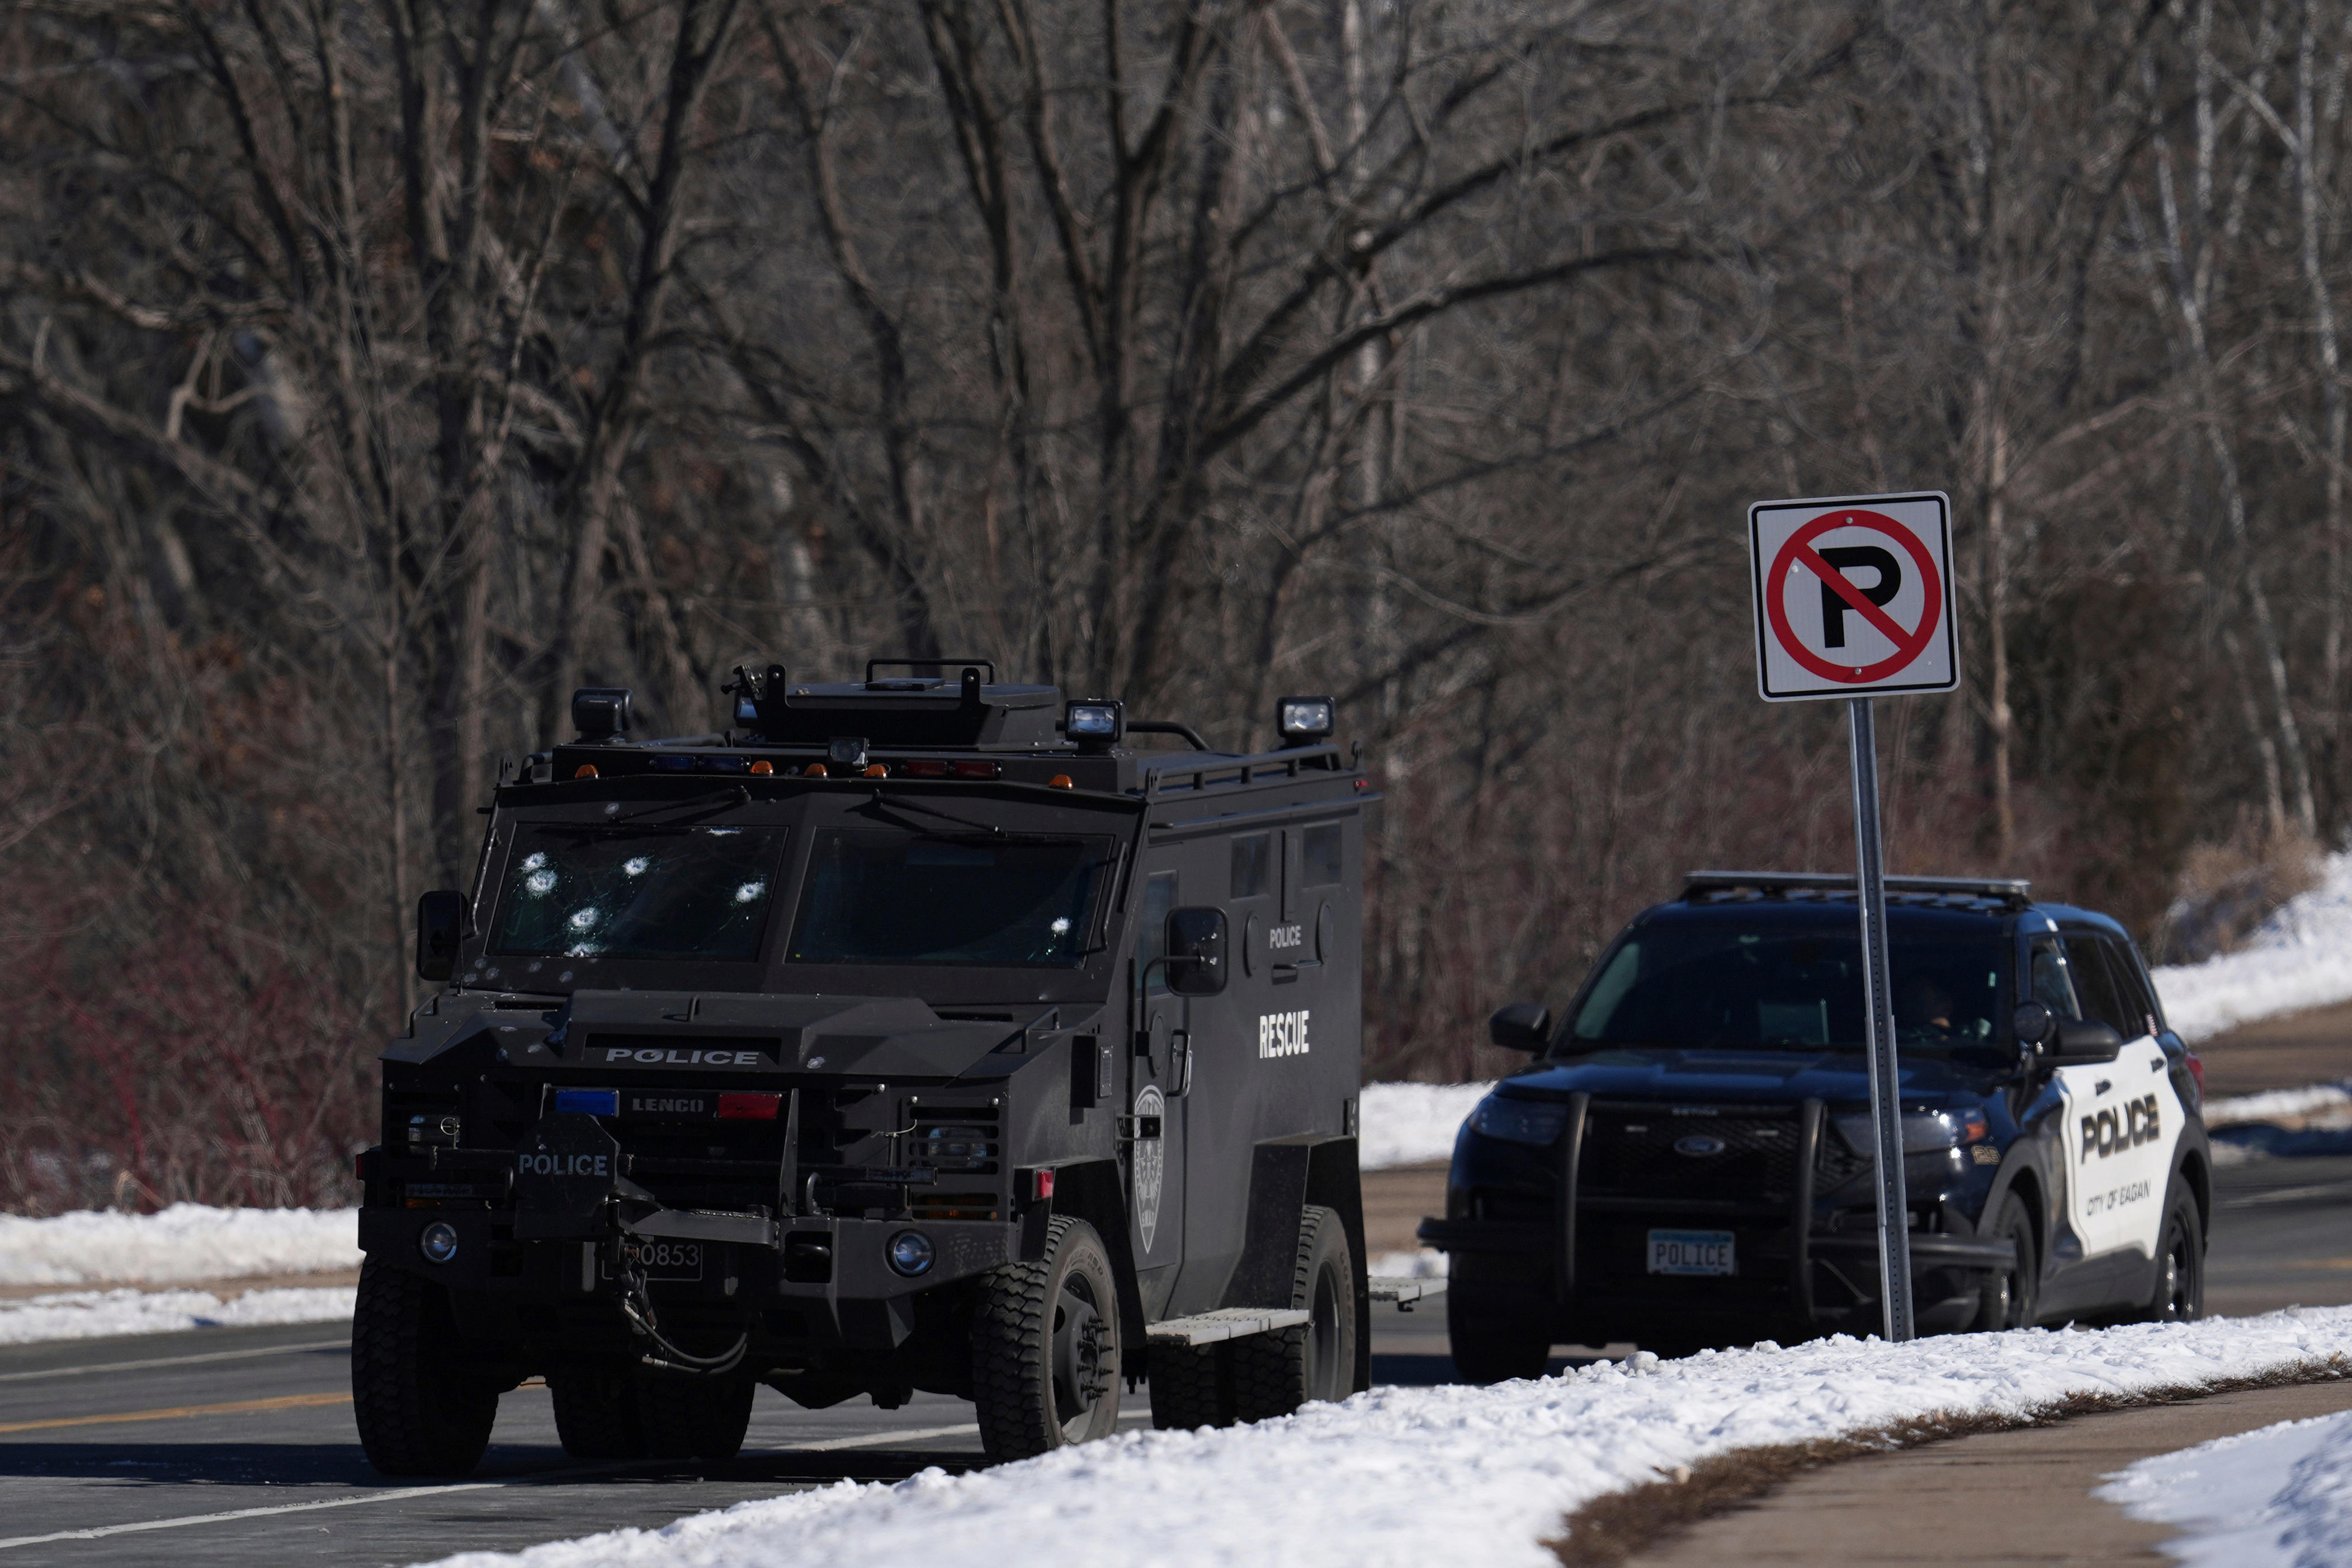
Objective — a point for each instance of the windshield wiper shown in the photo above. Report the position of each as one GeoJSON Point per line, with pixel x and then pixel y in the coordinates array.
{"type": "Point", "coordinates": [988, 832]}
{"type": "Point", "coordinates": [734, 795]}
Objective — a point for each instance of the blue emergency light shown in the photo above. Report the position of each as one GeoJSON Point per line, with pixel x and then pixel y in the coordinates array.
{"type": "Point", "coordinates": [589, 1101]}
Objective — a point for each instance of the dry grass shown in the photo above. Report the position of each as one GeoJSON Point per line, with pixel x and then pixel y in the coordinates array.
{"type": "Point", "coordinates": [1609, 1530]}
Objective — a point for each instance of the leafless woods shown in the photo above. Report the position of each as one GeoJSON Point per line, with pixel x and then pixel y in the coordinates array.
{"type": "Point", "coordinates": [374, 372]}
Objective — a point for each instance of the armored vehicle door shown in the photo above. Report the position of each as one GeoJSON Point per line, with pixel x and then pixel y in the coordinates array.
{"type": "Point", "coordinates": [1155, 1145]}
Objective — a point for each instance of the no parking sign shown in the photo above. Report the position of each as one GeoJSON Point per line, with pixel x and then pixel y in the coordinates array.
{"type": "Point", "coordinates": [1854, 597]}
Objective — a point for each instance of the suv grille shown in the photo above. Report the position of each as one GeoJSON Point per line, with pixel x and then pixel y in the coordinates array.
{"type": "Point", "coordinates": [1651, 1152]}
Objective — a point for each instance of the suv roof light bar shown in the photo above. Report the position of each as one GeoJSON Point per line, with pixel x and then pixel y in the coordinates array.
{"type": "Point", "coordinates": [2012, 890]}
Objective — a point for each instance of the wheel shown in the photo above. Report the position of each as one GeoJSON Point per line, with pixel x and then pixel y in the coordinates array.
{"type": "Point", "coordinates": [1192, 1385]}
{"type": "Point", "coordinates": [2010, 1299]}
{"type": "Point", "coordinates": [1499, 1326]}
{"type": "Point", "coordinates": [1045, 1347]}
{"type": "Point", "coordinates": [1275, 1373]}
{"type": "Point", "coordinates": [2180, 1293]}
{"type": "Point", "coordinates": [597, 1413]}
{"type": "Point", "coordinates": [422, 1411]}
{"type": "Point", "coordinates": [687, 1417]}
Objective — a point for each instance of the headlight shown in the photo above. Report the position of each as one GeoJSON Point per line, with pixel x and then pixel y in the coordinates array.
{"type": "Point", "coordinates": [439, 1242]}
{"type": "Point", "coordinates": [1924, 1131]}
{"type": "Point", "coordinates": [1533, 1122]}
{"type": "Point", "coordinates": [910, 1252]}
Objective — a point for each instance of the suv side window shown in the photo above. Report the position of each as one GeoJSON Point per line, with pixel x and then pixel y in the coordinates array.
{"type": "Point", "coordinates": [2050, 985]}
{"type": "Point", "coordinates": [2086, 956]}
{"type": "Point", "coordinates": [2131, 985]}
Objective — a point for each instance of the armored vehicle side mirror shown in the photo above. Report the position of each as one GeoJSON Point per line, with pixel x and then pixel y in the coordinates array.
{"type": "Point", "coordinates": [1521, 1026]}
{"type": "Point", "coordinates": [440, 921]}
{"type": "Point", "coordinates": [2034, 1024]}
{"type": "Point", "coordinates": [2083, 1041]}
{"type": "Point", "coordinates": [1196, 951]}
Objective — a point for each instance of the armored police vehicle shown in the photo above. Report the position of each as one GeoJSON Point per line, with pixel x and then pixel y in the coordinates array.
{"type": "Point", "coordinates": [1688, 1159]}
{"type": "Point", "coordinates": [913, 1033]}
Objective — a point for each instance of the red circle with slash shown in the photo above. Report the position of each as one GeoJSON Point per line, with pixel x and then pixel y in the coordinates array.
{"type": "Point", "coordinates": [1799, 550]}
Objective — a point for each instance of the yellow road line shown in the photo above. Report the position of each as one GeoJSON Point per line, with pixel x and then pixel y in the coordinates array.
{"type": "Point", "coordinates": [237, 1407]}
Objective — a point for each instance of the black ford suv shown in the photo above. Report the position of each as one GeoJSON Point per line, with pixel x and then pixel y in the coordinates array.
{"type": "Point", "coordinates": [1687, 1160]}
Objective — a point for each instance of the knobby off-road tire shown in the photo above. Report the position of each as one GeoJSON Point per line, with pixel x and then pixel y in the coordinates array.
{"type": "Point", "coordinates": [1498, 1326]}
{"type": "Point", "coordinates": [1045, 1347]}
{"type": "Point", "coordinates": [422, 1410]}
{"type": "Point", "coordinates": [2010, 1299]}
{"type": "Point", "coordinates": [1192, 1385]}
{"type": "Point", "coordinates": [2180, 1292]}
{"type": "Point", "coordinates": [691, 1417]}
{"type": "Point", "coordinates": [1275, 1373]}
{"type": "Point", "coordinates": [597, 1413]}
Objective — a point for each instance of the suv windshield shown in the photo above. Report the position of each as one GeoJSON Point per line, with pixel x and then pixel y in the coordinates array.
{"type": "Point", "coordinates": [881, 897]}
{"type": "Point", "coordinates": [636, 892]}
{"type": "Point", "coordinates": [1715, 983]}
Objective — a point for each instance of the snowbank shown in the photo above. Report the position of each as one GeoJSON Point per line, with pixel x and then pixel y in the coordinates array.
{"type": "Point", "coordinates": [182, 1243]}
{"type": "Point", "coordinates": [2277, 1498]}
{"type": "Point", "coordinates": [2328, 1102]}
{"type": "Point", "coordinates": [2299, 958]}
{"type": "Point", "coordinates": [95, 1314]}
{"type": "Point", "coordinates": [1414, 1476]}
{"type": "Point", "coordinates": [1413, 1123]}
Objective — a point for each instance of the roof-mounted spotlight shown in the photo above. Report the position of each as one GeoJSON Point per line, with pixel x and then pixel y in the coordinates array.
{"type": "Point", "coordinates": [1095, 724]}
{"type": "Point", "coordinates": [600, 712]}
{"type": "Point", "coordinates": [1303, 720]}
{"type": "Point", "coordinates": [847, 752]}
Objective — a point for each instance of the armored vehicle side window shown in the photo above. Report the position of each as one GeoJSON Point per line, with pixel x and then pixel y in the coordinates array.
{"type": "Point", "coordinates": [1159, 897]}
{"type": "Point", "coordinates": [1320, 857]}
{"type": "Point", "coordinates": [884, 897]}
{"type": "Point", "coordinates": [2087, 960]}
{"type": "Point", "coordinates": [636, 892]}
{"type": "Point", "coordinates": [2050, 986]}
{"type": "Point", "coordinates": [1717, 986]}
{"type": "Point", "coordinates": [1253, 864]}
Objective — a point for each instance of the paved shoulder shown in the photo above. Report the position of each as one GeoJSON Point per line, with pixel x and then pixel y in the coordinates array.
{"type": "Point", "coordinates": [2001, 1498]}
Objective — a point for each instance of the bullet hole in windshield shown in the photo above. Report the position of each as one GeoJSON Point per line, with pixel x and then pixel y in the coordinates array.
{"type": "Point", "coordinates": [533, 862]}
{"type": "Point", "coordinates": [1061, 926]}
{"type": "Point", "coordinates": [578, 920]}
{"type": "Point", "coordinates": [637, 867]}
{"type": "Point", "coordinates": [539, 884]}
{"type": "Point", "coordinates": [748, 892]}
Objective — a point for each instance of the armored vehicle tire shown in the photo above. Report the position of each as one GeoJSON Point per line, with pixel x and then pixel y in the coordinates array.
{"type": "Point", "coordinates": [2010, 1300]}
{"type": "Point", "coordinates": [1499, 1327]}
{"type": "Point", "coordinates": [597, 1413]}
{"type": "Point", "coordinates": [1275, 1373]}
{"type": "Point", "coordinates": [1191, 1385]}
{"type": "Point", "coordinates": [421, 1410]}
{"type": "Point", "coordinates": [1045, 1347]}
{"type": "Point", "coordinates": [691, 1417]}
{"type": "Point", "coordinates": [2180, 1293]}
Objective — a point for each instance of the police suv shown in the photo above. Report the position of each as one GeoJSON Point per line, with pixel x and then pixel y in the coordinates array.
{"type": "Point", "coordinates": [913, 1033]}
{"type": "Point", "coordinates": [1688, 1159]}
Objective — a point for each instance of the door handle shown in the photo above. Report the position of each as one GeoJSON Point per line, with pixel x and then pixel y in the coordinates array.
{"type": "Point", "coordinates": [1179, 1062]}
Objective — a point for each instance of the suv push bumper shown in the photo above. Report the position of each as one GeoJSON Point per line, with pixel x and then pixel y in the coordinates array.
{"type": "Point", "coordinates": [1929, 1249]}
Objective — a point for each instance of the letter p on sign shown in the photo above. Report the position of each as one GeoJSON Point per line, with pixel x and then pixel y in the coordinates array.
{"type": "Point", "coordinates": [1854, 597]}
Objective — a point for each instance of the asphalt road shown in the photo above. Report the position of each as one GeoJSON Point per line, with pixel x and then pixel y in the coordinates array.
{"type": "Point", "coordinates": [237, 1447]}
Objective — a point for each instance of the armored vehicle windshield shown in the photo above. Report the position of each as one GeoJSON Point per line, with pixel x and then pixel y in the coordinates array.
{"type": "Point", "coordinates": [631, 891]}
{"type": "Point", "coordinates": [877, 895]}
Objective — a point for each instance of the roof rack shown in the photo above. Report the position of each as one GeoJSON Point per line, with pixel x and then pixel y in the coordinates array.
{"type": "Point", "coordinates": [2014, 891]}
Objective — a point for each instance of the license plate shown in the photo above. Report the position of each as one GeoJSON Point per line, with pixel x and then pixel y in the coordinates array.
{"type": "Point", "coordinates": [658, 1259]}
{"type": "Point", "coordinates": [1691, 1252]}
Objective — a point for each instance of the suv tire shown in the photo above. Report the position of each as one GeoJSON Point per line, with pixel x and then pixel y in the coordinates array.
{"type": "Point", "coordinates": [597, 1413]}
{"type": "Point", "coordinates": [2012, 1300]}
{"type": "Point", "coordinates": [421, 1409]}
{"type": "Point", "coordinates": [1275, 1373]}
{"type": "Point", "coordinates": [2179, 1295]}
{"type": "Point", "coordinates": [1191, 1385]}
{"type": "Point", "coordinates": [1045, 1347]}
{"type": "Point", "coordinates": [689, 1417]}
{"type": "Point", "coordinates": [1499, 1327]}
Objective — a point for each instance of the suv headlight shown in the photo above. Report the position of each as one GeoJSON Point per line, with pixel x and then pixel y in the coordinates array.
{"type": "Point", "coordinates": [1924, 1131]}
{"type": "Point", "coordinates": [1533, 1122]}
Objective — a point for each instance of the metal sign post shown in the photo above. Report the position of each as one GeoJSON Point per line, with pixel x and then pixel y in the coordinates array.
{"type": "Point", "coordinates": [1878, 999]}
{"type": "Point", "coordinates": [1822, 633]}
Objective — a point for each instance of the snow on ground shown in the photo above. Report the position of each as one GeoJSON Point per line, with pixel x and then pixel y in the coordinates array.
{"type": "Point", "coordinates": [1414, 1476]}
{"type": "Point", "coordinates": [95, 1314]}
{"type": "Point", "coordinates": [2322, 1102]}
{"type": "Point", "coordinates": [1413, 1123]}
{"type": "Point", "coordinates": [2299, 958]}
{"type": "Point", "coordinates": [2277, 1498]}
{"type": "Point", "coordinates": [184, 1242]}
